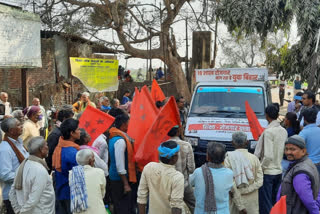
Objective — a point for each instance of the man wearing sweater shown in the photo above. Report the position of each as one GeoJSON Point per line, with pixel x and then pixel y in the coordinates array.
{"type": "Point", "coordinates": [269, 150]}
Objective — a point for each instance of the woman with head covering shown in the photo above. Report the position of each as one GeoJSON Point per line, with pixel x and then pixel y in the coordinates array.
{"type": "Point", "coordinates": [31, 127]}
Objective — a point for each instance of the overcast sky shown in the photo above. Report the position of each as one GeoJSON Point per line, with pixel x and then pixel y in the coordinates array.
{"type": "Point", "coordinates": [179, 31]}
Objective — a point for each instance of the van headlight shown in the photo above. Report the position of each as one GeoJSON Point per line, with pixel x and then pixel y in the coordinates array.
{"type": "Point", "coordinates": [253, 144]}
{"type": "Point", "coordinates": [192, 140]}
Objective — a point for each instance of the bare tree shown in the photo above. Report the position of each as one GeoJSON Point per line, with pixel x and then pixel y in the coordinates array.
{"type": "Point", "coordinates": [127, 26]}
{"type": "Point", "coordinates": [242, 51]}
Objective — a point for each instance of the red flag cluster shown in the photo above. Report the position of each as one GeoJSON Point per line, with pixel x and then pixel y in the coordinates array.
{"type": "Point", "coordinates": [149, 126]}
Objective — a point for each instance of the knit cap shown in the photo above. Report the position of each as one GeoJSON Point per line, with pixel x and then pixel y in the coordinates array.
{"type": "Point", "coordinates": [296, 140]}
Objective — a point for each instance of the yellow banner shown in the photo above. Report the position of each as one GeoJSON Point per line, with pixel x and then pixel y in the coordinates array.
{"type": "Point", "coordinates": [98, 75]}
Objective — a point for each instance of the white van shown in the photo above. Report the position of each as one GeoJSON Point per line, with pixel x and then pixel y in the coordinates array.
{"type": "Point", "coordinates": [217, 108]}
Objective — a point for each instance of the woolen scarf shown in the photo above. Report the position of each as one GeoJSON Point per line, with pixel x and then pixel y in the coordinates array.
{"type": "Point", "coordinates": [56, 157]}
{"type": "Point", "coordinates": [19, 177]}
{"type": "Point", "coordinates": [131, 164]}
{"type": "Point", "coordinates": [15, 149]}
{"type": "Point", "coordinates": [210, 204]}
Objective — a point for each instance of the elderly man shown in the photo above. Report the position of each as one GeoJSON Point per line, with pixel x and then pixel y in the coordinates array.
{"type": "Point", "coordinates": [18, 114]}
{"type": "Point", "coordinates": [311, 134]}
{"type": "Point", "coordinates": [81, 105]}
{"type": "Point", "coordinates": [301, 182]}
{"type": "Point", "coordinates": [247, 176]}
{"type": "Point", "coordinates": [212, 182]}
{"type": "Point", "coordinates": [5, 107]}
{"type": "Point", "coordinates": [122, 171]}
{"type": "Point", "coordinates": [185, 165]}
{"type": "Point", "coordinates": [63, 159]}
{"type": "Point", "coordinates": [12, 153]}
{"type": "Point", "coordinates": [43, 123]}
{"type": "Point", "coordinates": [31, 128]}
{"type": "Point", "coordinates": [105, 104]}
{"type": "Point", "coordinates": [161, 183]}
{"type": "Point", "coordinates": [87, 181]}
{"type": "Point", "coordinates": [269, 150]}
{"type": "Point", "coordinates": [32, 190]}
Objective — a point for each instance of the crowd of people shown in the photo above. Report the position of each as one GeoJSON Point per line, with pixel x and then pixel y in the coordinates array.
{"type": "Point", "coordinates": [62, 173]}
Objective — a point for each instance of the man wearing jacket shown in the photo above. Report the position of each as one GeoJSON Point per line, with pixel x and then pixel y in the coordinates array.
{"type": "Point", "coordinates": [301, 182]}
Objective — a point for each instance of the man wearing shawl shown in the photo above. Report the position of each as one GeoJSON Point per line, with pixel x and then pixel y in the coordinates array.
{"type": "Point", "coordinates": [63, 159]}
{"type": "Point", "coordinates": [161, 184]}
{"type": "Point", "coordinates": [12, 153]}
{"type": "Point", "coordinates": [212, 182]}
{"type": "Point", "coordinates": [247, 175]}
{"type": "Point", "coordinates": [87, 185]}
{"type": "Point", "coordinates": [81, 105]}
{"type": "Point", "coordinates": [32, 190]}
{"type": "Point", "coordinates": [122, 171]}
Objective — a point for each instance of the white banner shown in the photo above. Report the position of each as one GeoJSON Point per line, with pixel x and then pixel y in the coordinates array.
{"type": "Point", "coordinates": [20, 44]}
{"type": "Point", "coordinates": [231, 74]}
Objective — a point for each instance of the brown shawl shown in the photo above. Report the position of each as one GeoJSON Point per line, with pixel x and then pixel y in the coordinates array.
{"type": "Point", "coordinates": [15, 149]}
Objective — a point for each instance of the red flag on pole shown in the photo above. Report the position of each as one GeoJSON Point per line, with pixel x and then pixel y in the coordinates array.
{"type": "Point", "coordinates": [156, 92]}
{"type": "Point", "coordinates": [255, 127]}
{"type": "Point", "coordinates": [166, 119]}
{"type": "Point", "coordinates": [280, 207]}
{"type": "Point", "coordinates": [143, 114]}
{"type": "Point", "coordinates": [95, 122]}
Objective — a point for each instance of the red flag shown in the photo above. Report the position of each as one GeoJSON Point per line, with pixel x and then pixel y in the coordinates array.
{"type": "Point", "coordinates": [166, 119]}
{"type": "Point", "coordinates": [280, 207]}
{"type": "Point", "coordinates": [156, 92]}
{"type": "Point", "coordinates": [95, 122]}
{"type": "Point", "coordinates": [255, 127]}
{"type": "Point", "coordinates": [143, 114]}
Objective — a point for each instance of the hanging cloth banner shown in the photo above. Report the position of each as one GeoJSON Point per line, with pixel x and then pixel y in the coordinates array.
{"type": "Point", "coordinates": [98, 75]}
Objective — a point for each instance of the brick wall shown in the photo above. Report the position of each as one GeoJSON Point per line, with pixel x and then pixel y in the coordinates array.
{"type": "Point", "coordinates": [45, 75]}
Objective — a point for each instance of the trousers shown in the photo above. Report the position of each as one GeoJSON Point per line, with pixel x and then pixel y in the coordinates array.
{"type": "Point", "coordinates": [268, 192]}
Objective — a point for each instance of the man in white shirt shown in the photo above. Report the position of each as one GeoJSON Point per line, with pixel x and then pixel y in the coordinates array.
{"type": "Point", "coordinates": [270, 150]}
{"type": "Point", "coordinates": [32, 190]}
{"type": "Point", "coordinates": [161, 184]}
{"type": "Point", "coordinates": [185, 165]}
{"type": "Point", "coordinates": [85, 178]}
{"type": "Point", "coordinates": [43, 123]}
{"type": "Point", "coordinates": [12, 153]}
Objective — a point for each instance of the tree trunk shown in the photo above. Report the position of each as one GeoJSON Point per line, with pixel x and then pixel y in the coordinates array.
{"type": "Point", "coordinates": [179, 78]}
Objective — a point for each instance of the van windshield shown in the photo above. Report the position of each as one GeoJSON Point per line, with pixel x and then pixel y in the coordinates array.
{"type": "Point", "coordinates": [211, 100]}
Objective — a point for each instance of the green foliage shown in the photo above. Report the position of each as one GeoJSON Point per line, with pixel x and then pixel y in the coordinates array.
{"type": "Point", "coordinates": [258, 16]}
{"type": "Point", "coordinates": [265, 16]}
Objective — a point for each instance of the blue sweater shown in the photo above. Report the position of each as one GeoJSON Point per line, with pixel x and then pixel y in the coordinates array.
{"type": "Point", "coordinates": [68, 160]}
